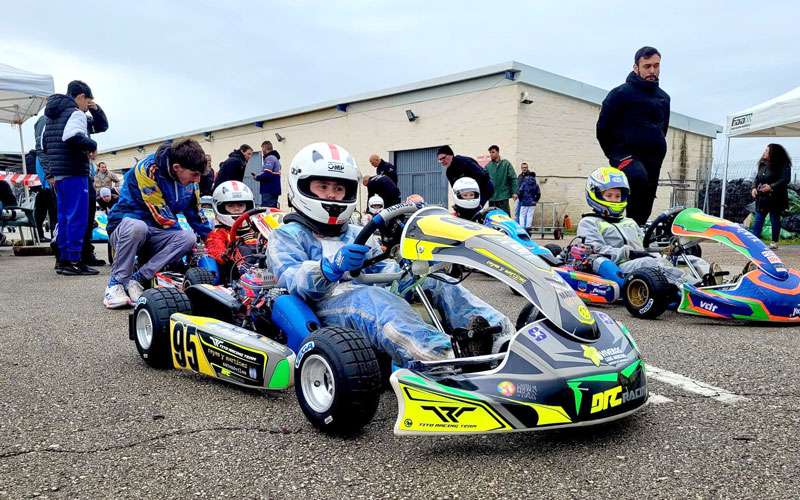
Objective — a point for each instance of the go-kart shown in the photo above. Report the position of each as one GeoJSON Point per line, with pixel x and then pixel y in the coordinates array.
{"type": "Point", "coordinates": [765, 291]}
{"type": "Point", "coordinates": [566, 366]}
{"type": "Point", "coordinates": [591, 288]}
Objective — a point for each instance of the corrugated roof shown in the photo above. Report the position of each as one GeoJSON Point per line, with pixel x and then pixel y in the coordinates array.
{"type": "Point", "coordinates": [523, 73]}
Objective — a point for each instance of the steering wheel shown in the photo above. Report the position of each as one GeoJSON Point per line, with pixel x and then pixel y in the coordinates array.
{"type": "Point", "coordinates": [381, 221]}
{"type": "Point", "coordinates": [237, 224]}
{"type": "Point", "coordinates": [659, 233]}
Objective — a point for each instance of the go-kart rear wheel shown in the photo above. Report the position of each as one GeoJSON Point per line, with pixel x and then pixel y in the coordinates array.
{"type": "Point", "coordinates": [151, 324]}
{"type": "Point", "coordinates": [527, 315]}
{"type": "Point", "coordinates": [198, 276]}
{"type": "Point", "coordinates": [646, 293]}
{"type": "Point", "coordinates": [337, 380]}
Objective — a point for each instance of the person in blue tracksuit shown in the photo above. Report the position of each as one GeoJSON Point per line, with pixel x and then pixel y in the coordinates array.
{"type": "Point", "coordinates": [313, 252]}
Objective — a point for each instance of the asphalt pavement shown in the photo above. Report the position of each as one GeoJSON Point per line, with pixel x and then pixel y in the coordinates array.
{"type": "Point", "coordinates": [81, 416]}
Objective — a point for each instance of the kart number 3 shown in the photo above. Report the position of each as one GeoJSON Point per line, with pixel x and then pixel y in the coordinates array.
{"type": "Point", "coordinates": [183, 346]}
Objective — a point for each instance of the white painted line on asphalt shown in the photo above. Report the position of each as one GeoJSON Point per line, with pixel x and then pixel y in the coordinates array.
{"type": "Point", "coordinates": [691, 385]}
{"type": "Point", "coordinates": [658, 399]}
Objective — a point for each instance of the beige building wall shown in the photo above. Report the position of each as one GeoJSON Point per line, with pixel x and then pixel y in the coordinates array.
{"type": "Point", "coordinates": [555, 135]}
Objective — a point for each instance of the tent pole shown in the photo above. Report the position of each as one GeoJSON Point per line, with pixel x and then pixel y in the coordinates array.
{"type": "Point", "coordinates": [725, 177]}
{"type": "Point", "coordinates": [24, 166]}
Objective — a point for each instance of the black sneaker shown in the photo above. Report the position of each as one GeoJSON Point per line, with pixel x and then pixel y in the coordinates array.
{"type": "Point", "coordinates": [93, 261]}
{"type": "Point", "coordinates": [77, 269]}
{"type": "Point", "coordinates": [59, 267]}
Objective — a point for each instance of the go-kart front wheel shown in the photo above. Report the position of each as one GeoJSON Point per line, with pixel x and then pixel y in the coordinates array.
{"type": "Point", "coordinates": [337, 380]}
{"type": "Point", "coordinates": [151, 323]}
{"type": "Point", "coordinates": [647, 293]}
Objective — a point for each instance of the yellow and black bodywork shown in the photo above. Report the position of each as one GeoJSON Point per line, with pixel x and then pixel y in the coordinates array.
{"type": "Point", "coordinates": [569, 367]}
{"type": "Point", "coordinates": [227, 352]}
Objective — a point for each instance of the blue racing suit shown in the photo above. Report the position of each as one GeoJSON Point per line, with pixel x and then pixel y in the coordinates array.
{"type": "Point", "coordinates": [295, 253]}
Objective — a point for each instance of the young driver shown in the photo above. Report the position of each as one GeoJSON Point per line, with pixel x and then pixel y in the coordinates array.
{"type": "Point", "coordinates": [313, 252]}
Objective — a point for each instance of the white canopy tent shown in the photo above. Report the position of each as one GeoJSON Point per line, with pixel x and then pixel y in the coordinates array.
{"type": "Point", "coordinates": [22, 95]}
{"type": "Point", "coordinates": [778, 117]}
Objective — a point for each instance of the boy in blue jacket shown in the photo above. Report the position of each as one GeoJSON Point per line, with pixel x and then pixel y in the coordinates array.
{"type": "Point", "coordinates": [153, 193]}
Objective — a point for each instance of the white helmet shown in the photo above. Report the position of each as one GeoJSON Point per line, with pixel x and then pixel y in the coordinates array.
{"type": "Point", "coordinates": [467, 185]}
{"type": "Point", "coordinates": [227, 192]}
{"type": "Point", "coordinates": [374, 204]}
{"type": "Point", "coordinates": [323, 161]}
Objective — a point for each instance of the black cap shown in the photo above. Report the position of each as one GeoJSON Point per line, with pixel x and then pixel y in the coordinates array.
{"type": "Point", "coordinates": [77, 87]}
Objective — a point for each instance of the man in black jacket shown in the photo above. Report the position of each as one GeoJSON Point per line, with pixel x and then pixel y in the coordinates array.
{"type": "Point", "coordinates": [233, 168]}
{"type": "Point", "coordinates": [632, 127]}
{"type": "Point", "coordinates": [383, 167]}
{"type": "Point", "coordinates": [66, 144]}
{"type": "Point", "coordinates": [383, 186]}
{"type": "Point", "coordinates": [457, 166]}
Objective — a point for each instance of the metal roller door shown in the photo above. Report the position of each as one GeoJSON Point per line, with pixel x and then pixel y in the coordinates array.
{"type": "Point", "coordinates": [418, 172]}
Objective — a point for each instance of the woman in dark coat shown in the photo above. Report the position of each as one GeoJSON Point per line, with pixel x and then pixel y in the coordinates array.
{"type": "Point", "coordinates": [770, 190]}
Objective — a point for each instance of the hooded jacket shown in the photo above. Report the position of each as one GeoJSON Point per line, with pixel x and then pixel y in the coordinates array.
{"type": "Point", "coordinates": [65, 139]}
{"type": "Point", "coordinates": [232, 168]}
{"type": "Point", "coordinates": [634, 121]}
{"type": "Point", "coordinates": [149, 193]}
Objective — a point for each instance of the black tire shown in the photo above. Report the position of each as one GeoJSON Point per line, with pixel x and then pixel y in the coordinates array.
{"type": "Point", "coordinates": [554, 248]}
{"type": "Point", "coordinates": [527, 315]}
{"type": "Point", "coordinates": [646, 293]}
{"type": "Point", "coordinates": [157, 305]}
{"type": "Point", "coordinates": [346, 357]}
{"type": "Point", "coordinates": [198, 276]}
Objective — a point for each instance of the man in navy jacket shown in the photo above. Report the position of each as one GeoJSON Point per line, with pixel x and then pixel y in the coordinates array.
{"type": "Point", "coordinates": [66, 143]}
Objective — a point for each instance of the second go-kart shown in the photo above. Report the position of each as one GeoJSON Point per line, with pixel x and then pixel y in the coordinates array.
{"type": "Point", "coordinates": [591, 288]}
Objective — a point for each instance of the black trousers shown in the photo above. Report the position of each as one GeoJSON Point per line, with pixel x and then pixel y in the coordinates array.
{"type": "Point", "coordinates": [88, 249]}
{"type": "Point", "coordinates": [45, 206]}
{"type": "Point", "coordinates": [643, 180]}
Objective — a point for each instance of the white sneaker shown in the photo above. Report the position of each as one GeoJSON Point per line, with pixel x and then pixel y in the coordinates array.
{"type": "Point", "coordinates": [773, 245]}
{"type": "Point", "coordinates": [135, 290]}
{"type": "Point", "coordinates": [116, 297]}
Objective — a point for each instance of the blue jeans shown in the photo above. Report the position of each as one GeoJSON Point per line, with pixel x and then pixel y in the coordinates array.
{"type": "Point", "coordinates": [269, 200]}
{"type": "Point", "coordinates": [775, 220]}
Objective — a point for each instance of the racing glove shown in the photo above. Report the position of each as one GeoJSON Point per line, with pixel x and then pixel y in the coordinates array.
{"type": "Point", "coordinates": [348, 258]}
{"type": "Point", "coordinates": [636, 254]}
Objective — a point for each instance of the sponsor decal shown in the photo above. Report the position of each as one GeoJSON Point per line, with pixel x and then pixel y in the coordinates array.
{"type": "Point", "coordinates": [592, 354]}
{"type": "Point", "coordinates": [795, 312]}
{"type": "Point", "coordinates": [771, 257]}
{"type": "Point", "coordinates": [408, 422]}
{"type": "Point", "coordinates": [708, 306]}
{"type": "Point", "coordinates": [448, 414]}
{"type": "Point", "coordinates": [647, 305]}
{"type": "Point", "coordinates": [302, 352]}
{"type": "Point", "coordinates": [584, 313]}
{"type": "Point", "coordinates": [506, 388]}
{"type": "Point", "coordinates": [612, 355]}
{"type": "Point", "coordinates": [741, 121]}
{"type": "Point", "coordinates": [527, 391]}
{"type": "Point", "coordinates": [335, 166]}
{"type": "Point", "coordinates": [142, 301]}
{"type": "Point", "coordinates": [537, 332]}
{"type": "Point", "coordinates": [606, 399]}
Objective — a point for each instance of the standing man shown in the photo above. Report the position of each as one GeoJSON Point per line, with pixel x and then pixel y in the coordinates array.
{"type": "Point", "coordinates": [87, 251]}
{"type": "Point", "coordinates": [269, 179]}
{"type": "Point", "coordinates": [632, 129]}
{"type": "Point", "coordinates": [207, 180]}
{"type": "Point", "coordinates": [383, 168]}
{"type": "Point", "coordinates": [504, 179]}
{"type": "Point", "coordinates": [67, 145]}
{"type": "Point", "coordinates": [528, 195]}
{"type": "Point", "coordinates": [232, 169]}
{"type": "Point", "coordinates": [457, 166]}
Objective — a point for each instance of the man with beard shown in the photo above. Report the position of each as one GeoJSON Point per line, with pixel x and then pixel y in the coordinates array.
{"type": "Point", "coordinates": [632, 128]}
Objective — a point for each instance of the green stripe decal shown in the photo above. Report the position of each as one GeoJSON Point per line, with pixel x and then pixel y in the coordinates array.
{"type": "Point", "coordinates": [280, 377]}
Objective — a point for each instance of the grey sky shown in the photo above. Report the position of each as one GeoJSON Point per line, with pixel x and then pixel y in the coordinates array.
{"type": "Point", "coordinates": [159, 68]}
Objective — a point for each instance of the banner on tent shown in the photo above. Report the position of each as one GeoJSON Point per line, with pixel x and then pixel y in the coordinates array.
{"type": "Point", "coordinates": [741, 122]}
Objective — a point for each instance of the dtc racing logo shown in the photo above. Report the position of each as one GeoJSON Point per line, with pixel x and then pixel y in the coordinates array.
{"type": "Point", "coordinates": [615, 397]}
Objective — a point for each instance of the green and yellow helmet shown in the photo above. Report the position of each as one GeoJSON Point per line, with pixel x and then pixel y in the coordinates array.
{"type": "Point", "coordinates": [600, 180]}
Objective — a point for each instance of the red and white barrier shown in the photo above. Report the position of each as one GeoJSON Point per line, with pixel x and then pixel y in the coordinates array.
{"type": "Point", "coordinates": [29, 180]}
